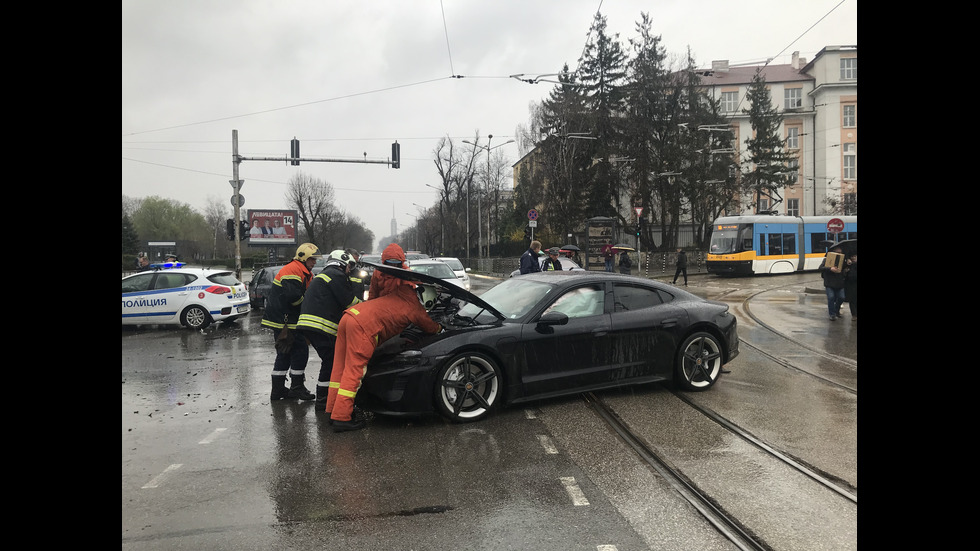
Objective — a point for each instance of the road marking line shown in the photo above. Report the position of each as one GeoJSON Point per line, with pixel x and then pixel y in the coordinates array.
{"type": "Point", "coordinates": [159, 478]}
{"type": "Point", "coordinates": [546, 444]}
{"type": "Point", "coordinates": [212, 436]}
{"type": "Point", "coordinates": [574, 492]}
{"type": "Point", "coordinates": [606, 548]}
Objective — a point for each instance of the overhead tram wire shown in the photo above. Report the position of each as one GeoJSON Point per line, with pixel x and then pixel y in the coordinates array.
{"type": "Point", "coordinates": [346, 96]}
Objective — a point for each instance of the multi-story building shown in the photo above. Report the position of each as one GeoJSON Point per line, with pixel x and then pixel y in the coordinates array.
{"type": "Point", "coordinates": [818, 100]}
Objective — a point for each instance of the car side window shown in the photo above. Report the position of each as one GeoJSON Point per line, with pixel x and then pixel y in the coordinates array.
{"type": "Point", "coordinates": [633, 297]}
{"type": "Point", "coordinates": [580, 302]}
{"type": "Point", "coordinates": [137, 283]}
{"type": "Point", "coordinates": [169, 281]}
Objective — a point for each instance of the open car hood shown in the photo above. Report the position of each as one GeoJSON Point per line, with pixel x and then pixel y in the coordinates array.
{"type": "Point", "coordinates": [443, 286]}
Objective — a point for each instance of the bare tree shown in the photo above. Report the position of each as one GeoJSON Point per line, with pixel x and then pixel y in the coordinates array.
{"type": "Point", "coordinates": [215, 214]}
{"type": "Point", "coordinates": [313, 200]}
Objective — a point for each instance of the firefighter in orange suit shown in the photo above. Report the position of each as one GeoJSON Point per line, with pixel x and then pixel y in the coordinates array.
{"type": "Point", "coordinates": [362, 328]}
{"type": "Point", "coordinates": [382, 283]}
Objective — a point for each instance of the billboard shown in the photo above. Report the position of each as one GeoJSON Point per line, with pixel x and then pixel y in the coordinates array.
{"type": "Point", "coordinates": [271, 227]}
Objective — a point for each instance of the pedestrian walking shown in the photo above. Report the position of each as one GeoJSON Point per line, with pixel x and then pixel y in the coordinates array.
{"type": "Point", "coordinates": [851, 284]}
{"type": "Point", "coordinates": [330, 293]}
{"type": "Point", "coordinates": [282, 309]}
{"type": "Point", "coordinates": [681, 266]}
{"type": "Point", "coordinates": [362, 328]}
{"type": "Point", "coordinates": [833, 282]}
{"type": "Point", "coordinates": [625, 264]}
{"type": "Point", "coordinates": [551, 263]}
{"type": "Point", "coordinates": [529, 260]}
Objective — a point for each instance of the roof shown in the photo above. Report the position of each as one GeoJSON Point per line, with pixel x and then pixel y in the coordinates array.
{"type": "Point", "coordinates": [735, 76]}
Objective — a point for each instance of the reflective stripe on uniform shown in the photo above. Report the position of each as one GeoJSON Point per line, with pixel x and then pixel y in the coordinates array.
{"type": "Point", "coordinates": [318, 323]}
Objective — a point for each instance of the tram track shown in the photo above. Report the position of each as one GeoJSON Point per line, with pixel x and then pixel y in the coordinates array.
{"type": "Point", "coordinates": [712, 510]}
{"type": "Point", "coordinates": [727, 524]}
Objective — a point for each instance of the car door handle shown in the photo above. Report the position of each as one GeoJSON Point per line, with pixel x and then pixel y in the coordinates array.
{"type": "Point", "coordinates": [599, 333]}
{"type": "Point", "coordinates": [669, 322]}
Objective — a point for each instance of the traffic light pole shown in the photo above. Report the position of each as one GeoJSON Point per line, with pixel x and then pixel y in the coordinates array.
{"type": "Point", "coordinates": [294, 159]}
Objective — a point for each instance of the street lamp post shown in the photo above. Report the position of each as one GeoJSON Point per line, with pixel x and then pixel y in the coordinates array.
{"type": "Point", "coordinates": [416, 229]}
{"type": "Point", "coordinates": [478, 213]}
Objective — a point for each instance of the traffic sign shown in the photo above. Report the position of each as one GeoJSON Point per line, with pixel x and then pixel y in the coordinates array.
{"type": "Point", "coordinates": [532, 214]}
{"type": "Point", "coordinates": [639, 211]}
{"type": "Point", "coordinates": [240, 199]}
{"type": "Point", "coordinates": [835, 225]}
{"type": "Point", "coordinates": [532, 224]}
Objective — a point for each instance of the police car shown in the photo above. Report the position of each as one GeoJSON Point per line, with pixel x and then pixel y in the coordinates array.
{"type": "Point", "coordinates": [169, 294]}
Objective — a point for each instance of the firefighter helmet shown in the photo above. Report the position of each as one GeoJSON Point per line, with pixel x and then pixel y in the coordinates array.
{"type": "Point", "coordinates": [341, 258]}
{"type": "Point", "coordinates": [427, 295]}
{"type": "Point", "coordinates": [306, 251]}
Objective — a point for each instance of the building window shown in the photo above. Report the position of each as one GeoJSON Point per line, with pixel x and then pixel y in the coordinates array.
{"type": "Point", "coordinates": [850, 161]}
{"type": "Point", "coordinates": [793, 168]}
{"type": "Point", "coordinates": [849, 68]}
{"type": "Point", "coordinates": [792, 138]}
{"type": "Point", "coordinates": [792, 207]}
{"type": "Point", "coordinates": [793, 98]}
{"type": "Point", "coordinates": [850, 116]}
{"type": "Point", "coordinates": [729, 101]}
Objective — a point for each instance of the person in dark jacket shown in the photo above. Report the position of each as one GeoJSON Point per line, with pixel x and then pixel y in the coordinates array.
{"type": "Point", "coordinates": [330, 293]}
{"type": "Point", "coordinates": [625, 264]}
{"type": "Point", "coordinates": [356, 282]}
{"type": "Point", "coordinates": [282, 309]}
{"type": "Point", "coordinates": [833, 282]}
{"type": "Point", "coordinates": [681, 266]}
{"type": "Point", "coordinates": [529, 260]}
{"type": "Point", "coordinates": [551, 263]}
{"type": "Point", "coordinates": [851, 284]}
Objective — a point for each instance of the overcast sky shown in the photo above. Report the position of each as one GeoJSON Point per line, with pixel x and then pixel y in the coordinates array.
{"type": "Point", "coordinates": [349, 77]}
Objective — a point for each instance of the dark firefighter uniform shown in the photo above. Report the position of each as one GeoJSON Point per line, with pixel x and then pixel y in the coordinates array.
{"type": "Point", "coordinates": [282, 308]}
{"type": "Point", "coordinates": [362, 328]}
{"type": "Point", "coordinates": [329, 295]}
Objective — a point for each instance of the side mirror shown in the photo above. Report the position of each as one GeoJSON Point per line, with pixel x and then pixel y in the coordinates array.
{"type": "Point", "coordinates": [469, 269]}
{"type": "Point", "coordinates": [553, 318]}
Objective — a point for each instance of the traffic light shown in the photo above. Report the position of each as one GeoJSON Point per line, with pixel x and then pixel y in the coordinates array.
{"type": "Point", "coordinates": [230, 229]}
{"type": "Point", "coordinates": [637, 230]}
{"type": "Point", "coordinates": [527, 233]}
{"type": "Point", "coordinates": [242, 229]}
{"type": "Point", "coordinates": [396, 155]}
{"type": "Point", "coordinates": [294, 152]}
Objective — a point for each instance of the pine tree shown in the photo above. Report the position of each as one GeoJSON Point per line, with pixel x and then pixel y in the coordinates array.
{"type": "Point", "coordinates": [770, 162]}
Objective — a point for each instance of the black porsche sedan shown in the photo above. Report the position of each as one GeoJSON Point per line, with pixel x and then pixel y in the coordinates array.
{"type": "Point", "coordinates": [547, 334]}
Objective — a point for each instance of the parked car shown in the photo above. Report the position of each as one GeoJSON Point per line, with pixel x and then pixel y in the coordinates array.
{"type": "Point", "coordinates": [435, 268]}
{"type": "Point", "coordinates": [567, 265]}
{"type": "Point", "coordinates": [457, 266]}
{"type": "Point", "coordinates": [261, 284]}
{"type": "Point", "coordinates": [192, 297]}
{"type": "Point", "coordinates": [547, 334]}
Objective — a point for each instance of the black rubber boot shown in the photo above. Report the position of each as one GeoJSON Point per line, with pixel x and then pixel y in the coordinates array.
{"type": "Point", "coordinates": [298, 389]}
{"type": "Point", "coordinates": [279, 390]}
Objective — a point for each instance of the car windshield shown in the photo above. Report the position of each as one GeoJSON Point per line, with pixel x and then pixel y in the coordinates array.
{"type": "Point", "coordinates": [454, 263]}
{"type": "Point", "coordinates": [513, 298]}
{"type": "Point", "coordinates": [372, 258]}
{"type": "Point", "coordinates": [442, 271]}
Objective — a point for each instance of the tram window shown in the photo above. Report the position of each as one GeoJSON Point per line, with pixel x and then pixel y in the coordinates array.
{"type": "Point", "coordinates": [789, 243]}
{"type": "Point", "coordinates": [815, 242]}
{"type": "Point", "coordinates": [775, 243]}
{"type": "Point", "coordinates": [747, 240]}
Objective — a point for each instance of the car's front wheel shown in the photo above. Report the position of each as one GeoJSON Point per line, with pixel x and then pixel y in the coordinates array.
{"type": "Point", "coordinates": [468, 387]}
{"type": "Point", "coordinates": [195, 317]}
{"type": "Point", "coordinates": [699, 361]}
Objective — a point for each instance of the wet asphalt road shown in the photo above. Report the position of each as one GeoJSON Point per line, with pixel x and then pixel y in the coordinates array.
{"type": "Point", "coordinates": [209, 462]}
